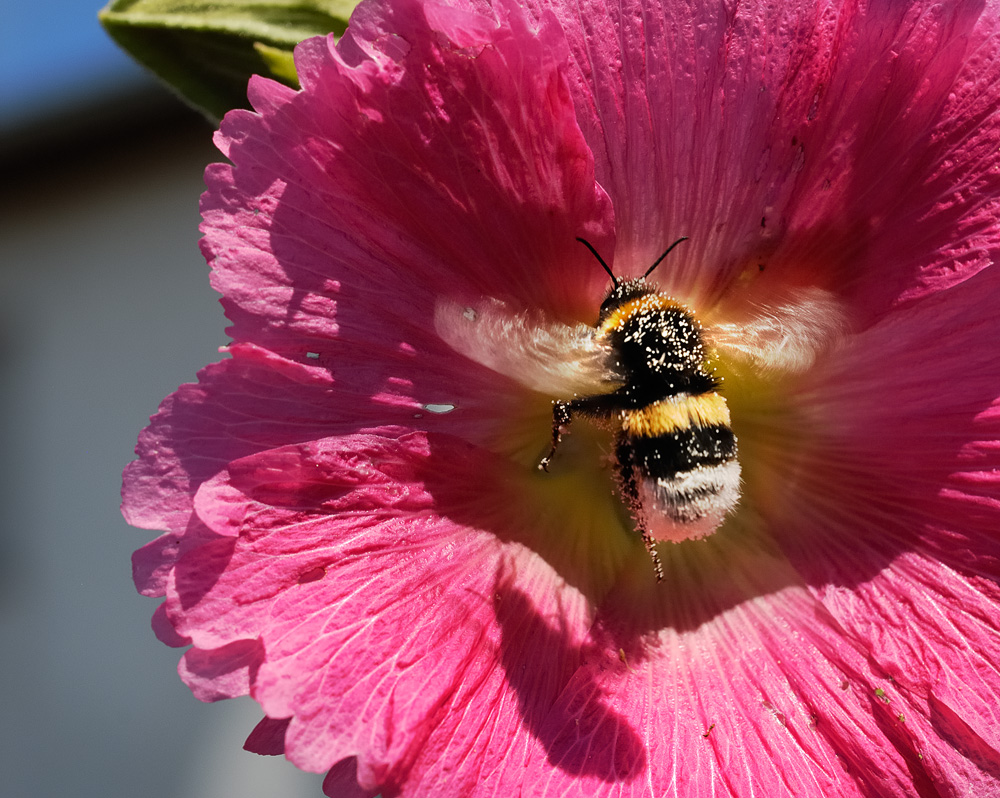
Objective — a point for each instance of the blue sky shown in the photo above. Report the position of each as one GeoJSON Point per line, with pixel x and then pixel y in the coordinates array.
{"type": "Point", "coordinates": [54, 53]}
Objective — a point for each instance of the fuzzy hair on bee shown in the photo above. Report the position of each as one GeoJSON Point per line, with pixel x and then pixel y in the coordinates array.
{"type": "Point", "coordinates": [643, 368]}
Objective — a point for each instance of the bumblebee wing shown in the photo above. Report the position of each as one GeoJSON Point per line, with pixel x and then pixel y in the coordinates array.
{"type": "Point", "coordinates": [785, 335]}
{"type": "Point", "coordinates": [545, 356]}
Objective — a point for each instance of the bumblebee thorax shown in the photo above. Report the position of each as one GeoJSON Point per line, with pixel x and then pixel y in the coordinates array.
{"type": "Point", "coordinates": [657, 342]}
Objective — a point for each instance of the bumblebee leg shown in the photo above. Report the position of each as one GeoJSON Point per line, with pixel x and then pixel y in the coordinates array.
{"type": "Point", "coordinates": [630, 493]}
{"type": "Point", "coordinates": [654, 555]}
{"type": "Point", "coordinates": [561, 416]}
{"type": "Point", "coordinates": [599, 406]}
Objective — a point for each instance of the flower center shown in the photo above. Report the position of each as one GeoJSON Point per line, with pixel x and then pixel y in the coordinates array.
{"type": "Point", "coordinates": [643, 430]}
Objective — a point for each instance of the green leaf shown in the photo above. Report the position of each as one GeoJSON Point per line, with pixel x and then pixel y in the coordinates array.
{"type": "Point", "coordinates": [207, 51]}
{"type": "Point", "coordinates": [279, 62]}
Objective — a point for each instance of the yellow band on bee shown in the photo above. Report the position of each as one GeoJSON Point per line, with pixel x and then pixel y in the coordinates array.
{"type": "Point", "coordinates": [639, 305]}
{"type": "Point", "coordinates": [675, 414]}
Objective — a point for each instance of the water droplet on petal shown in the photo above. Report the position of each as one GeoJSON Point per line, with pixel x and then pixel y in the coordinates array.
{"type": "Point", "coordinates": [439, 408]}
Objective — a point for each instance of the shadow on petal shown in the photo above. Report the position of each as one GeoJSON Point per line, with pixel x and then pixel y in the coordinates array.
{"type": "Point", "coordinates": [539, 663]}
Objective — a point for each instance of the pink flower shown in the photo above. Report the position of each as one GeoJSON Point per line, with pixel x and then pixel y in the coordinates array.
{"type": "Point", "coordinates": [357, 533]}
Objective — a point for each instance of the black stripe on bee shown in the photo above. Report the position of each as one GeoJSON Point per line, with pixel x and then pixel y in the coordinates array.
{"type": "Point", "coordinates": [682, 450]}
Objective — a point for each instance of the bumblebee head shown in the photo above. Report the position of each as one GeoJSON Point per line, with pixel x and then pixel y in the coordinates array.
{"type": "Point", "coordinates": [623, 291]}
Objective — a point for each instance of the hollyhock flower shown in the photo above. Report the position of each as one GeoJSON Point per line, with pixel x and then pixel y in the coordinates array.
{"type": "Point", "coordinates": [357, 534]}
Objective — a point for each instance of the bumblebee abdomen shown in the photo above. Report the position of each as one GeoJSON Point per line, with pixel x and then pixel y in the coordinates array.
{"type": "Point", "coordinates": [689, 504]}
{"type": "Point", "coordinates": [678, 464]}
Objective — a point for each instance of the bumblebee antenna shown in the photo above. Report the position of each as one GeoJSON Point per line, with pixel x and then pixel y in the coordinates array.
{"type": "Point", "coordinates": [614, 280]}
{"type": "Point", "coordinates": [657, 263]}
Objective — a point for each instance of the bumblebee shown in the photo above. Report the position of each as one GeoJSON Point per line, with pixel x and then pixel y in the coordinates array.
{"type": "Point", "coordinates": [644, 368]}
{"type": "Point", "coordinates": [675, 452]}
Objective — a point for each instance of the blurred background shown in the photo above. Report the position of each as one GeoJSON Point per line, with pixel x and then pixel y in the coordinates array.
{"type": "Point", "coordinates": [104, 309]}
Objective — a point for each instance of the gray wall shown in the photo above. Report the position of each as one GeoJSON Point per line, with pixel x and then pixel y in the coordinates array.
{"type": "Point", "coordinates": [104, 309]}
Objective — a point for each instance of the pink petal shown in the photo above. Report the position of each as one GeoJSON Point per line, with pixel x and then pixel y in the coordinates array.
{"type": "Point", "coordinates": [268, 256]}
{"type": "Point", "coordinates": [151, 565]}
{"type": "Point", "coordinates": [743, 685]}
{"type": "Point", "coordinates": [342, 781]}
{"type": "Point", "coordinates": [258, 400]}
{"type": "Point", "coordinates": [819, 139]}
{"type": "Point", "coordinates": [890, 514]}
{"type": "Point", "coordinates": [164, 629]}
{"type": "Point", "coordinates": [387, 158]}
{"type": "Point", "coordinates": [419, 708]}
{"type": "Point", "coordinates": [226, 672]}
{"type": "Point", "coordinates": [223, 590]}
{"type": "Point", "coordinates": [268, 737]}
{"type": "Point", "coordinates": [397, 567]}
